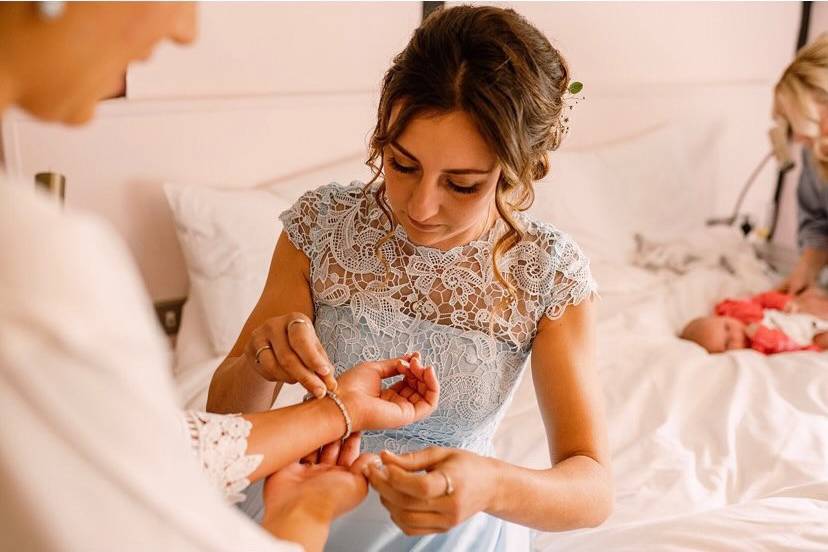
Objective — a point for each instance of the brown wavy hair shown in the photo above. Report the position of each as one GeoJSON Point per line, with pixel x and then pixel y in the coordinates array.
{"type": "Point", "coordinates": [492, 64]}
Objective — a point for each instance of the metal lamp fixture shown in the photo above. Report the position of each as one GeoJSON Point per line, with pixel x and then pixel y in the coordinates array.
{"type": "Point", "coordinates": [780, 150]}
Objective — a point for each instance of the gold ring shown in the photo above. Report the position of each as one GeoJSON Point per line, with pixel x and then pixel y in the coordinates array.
{"type": "Point", "coordinates": [260, 350]}
{"type": "Point", "coordinates": [449, 486]}
{"type": "Point", "coordinates": [296, 321]}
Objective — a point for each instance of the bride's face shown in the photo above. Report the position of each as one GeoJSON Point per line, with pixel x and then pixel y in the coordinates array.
{"type": "Point", "coordinates": [440, 178]}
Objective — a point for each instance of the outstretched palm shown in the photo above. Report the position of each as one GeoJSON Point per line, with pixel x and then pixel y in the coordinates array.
{"type": "Point", "coordinates": [327, 490]}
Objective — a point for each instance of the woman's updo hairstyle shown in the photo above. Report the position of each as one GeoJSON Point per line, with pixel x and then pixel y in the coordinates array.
{"type": "Point", "coordinates": [492, 64]}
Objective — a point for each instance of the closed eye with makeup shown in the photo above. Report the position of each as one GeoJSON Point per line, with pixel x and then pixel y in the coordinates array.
{"type": "Point", "coordinates": [440, 180]}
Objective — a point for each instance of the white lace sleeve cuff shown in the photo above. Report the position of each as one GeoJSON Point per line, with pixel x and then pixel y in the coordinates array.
{"type": "Point", "coordinates": [220, 444]}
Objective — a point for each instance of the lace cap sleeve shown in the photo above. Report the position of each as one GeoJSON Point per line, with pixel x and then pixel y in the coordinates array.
{"type": "Point", "coordinates": [220, 444]}
{"type": "Point", "coordinates": [572, 280]}
{"type": "Point", "coordinates": [309, 221]}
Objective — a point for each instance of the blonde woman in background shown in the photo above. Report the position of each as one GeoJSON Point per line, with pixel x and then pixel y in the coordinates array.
{"type": "Point", "coordinates": [801, 100]}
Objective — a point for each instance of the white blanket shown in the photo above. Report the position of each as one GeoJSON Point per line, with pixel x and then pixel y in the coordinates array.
{"type": "Point", "coordinates": [710, 452]}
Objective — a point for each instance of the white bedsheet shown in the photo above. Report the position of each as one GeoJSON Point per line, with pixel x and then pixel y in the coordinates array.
{"type": "Point", "coordinates": [724, 452]}
{"type": "Point", "coordinates": [710, 452]}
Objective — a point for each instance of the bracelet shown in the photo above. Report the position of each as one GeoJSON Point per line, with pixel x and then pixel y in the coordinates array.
{"type": "Point", "coordinates": [342, 408]}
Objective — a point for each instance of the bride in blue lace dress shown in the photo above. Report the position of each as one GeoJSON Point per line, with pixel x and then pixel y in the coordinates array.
{"type": "Point", "coordinates": [435, 256]}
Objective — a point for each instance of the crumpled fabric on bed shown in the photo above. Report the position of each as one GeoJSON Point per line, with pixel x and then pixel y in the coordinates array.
{"type": "Point", "coordinates": [716, 248]}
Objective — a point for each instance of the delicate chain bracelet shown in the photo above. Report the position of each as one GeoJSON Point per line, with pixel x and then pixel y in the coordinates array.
{"type": "Point", "coordinates": [342, 408]}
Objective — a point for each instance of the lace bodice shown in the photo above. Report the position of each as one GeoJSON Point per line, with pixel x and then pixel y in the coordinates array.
{"type": "Point", "coordinates": [446, 304]}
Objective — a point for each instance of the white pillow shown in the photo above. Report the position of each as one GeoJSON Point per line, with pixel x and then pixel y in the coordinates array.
{"type": "Point", "coordinates": [227, 237]}
{"type": "Point", "coordinates": [661, 184]}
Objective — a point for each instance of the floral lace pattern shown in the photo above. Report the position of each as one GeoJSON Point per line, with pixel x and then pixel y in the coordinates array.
{"type": "Point", "coordinates": [220, 443]}
{"type": "Point", "coordinates": [446, 304]}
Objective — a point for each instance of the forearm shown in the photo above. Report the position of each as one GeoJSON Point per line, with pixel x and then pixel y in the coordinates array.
{"type": "Point", "coordinates": [577, 492]}
{"type": "Point", "coordinates": [237, 388]}
{"type": "Point", "coordinates": [814, 257]}
{"type": "Point", "coordinates": [284, 435]}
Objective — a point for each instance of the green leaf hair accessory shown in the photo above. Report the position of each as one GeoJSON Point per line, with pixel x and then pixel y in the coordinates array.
{"type": "Point", "coordinates": [575, 87]}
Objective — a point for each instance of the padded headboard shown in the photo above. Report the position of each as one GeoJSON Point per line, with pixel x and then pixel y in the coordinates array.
{"type": "Point", "coordinates": [116, 166]}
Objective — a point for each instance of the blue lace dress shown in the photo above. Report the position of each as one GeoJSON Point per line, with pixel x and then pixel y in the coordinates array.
{"type": "Point", "coordinates": [449, 306]}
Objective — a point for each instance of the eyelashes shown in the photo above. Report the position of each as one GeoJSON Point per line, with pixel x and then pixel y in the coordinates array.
{"type": "Point", "coordinates": [402, 169]}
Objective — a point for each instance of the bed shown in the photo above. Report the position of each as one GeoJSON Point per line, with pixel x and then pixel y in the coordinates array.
{"type": "Point", "coordinates": [726, 452]}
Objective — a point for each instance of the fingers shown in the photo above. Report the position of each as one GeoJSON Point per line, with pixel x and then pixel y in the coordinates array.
{"type": "Point", "coordinates": [390, 368]}
{"type": "Point", "coordinates": [419, 523]}
{"type": "Point", "coordinates": [290, 362]}
{"type": "Point", "coordinates": [330, 453]}
{"type": "Point", "coordinates": [290, 352]}
{"type": "Point", "coordinates": [416, 361]}
{"type": "Point", "coordinates": [431, 393]}
{"type": "Point", "coordinates": [260, 354]}
{"type": "Point", "coordinates": [422, 380]}
{"type": "Point", "coordinates": [311, 458]}
{"type": "Point", "coordinates": [278, 362]}
{"type": "Point", "coordinates": [417, 485]}
{"type": "Point", "coordinates": [349, 450]}
{"type": "Point", "coordinates": [392, 498]}
{"type": "Point", "coordinates": [418, 460]}
{"type": "Point", "coordinates": [362, 464]}
{"type": "Point", "coordinates": [304, 342]}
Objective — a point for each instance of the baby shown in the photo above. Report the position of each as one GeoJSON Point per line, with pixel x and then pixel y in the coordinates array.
{"type": "Point", "coordinates": [770, 323]}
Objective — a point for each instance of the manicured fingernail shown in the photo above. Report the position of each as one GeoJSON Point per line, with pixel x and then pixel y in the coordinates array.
{"type": "Point", "coordinates": [365, 469]}
{"type": "Point", "coordinates": [405, 363]}
{"type": "Point", "coordinates": [323, 371]}
{"type": "Point", "coordinates": [319, 392]}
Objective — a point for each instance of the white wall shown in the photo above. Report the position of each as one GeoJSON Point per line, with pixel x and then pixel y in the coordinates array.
{"type": "Point", "coordinates": [283, 48]}
{"type": "Point", "coordinates": [650, 63]}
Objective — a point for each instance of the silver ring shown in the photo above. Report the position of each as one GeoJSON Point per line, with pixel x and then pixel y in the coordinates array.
{"type": "Point", "coordinates": [260, 350]}
{"type": "Point", "coordinates": [449, 486]}
{"type": "Point", "coordinates": [296, 321]}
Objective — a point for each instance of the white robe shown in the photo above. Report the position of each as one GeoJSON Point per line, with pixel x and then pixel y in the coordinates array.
{"type": "Point", "coordinates": [92, 454]}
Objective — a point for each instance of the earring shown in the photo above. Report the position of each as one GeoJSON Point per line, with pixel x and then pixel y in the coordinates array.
{"type": "Point", "coordinates": [50, 11]}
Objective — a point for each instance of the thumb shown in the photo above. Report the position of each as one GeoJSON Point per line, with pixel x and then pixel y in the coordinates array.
{"type": "Point", "coordinates": [418, 460]}
{"type": "Point", "coordinates": [361, 464]}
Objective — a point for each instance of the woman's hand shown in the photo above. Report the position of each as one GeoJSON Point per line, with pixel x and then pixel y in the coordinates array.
{"type": "Point", "coordinates": [421, 504]}
{"type": "Point", "coordinates": [286, 349]}
{"type": "Point", "coordinates": [301, 500]}
{"type": "Point", "coordinates": [813, 301]}
{"type": "Point", "coordinates": [805, 273]}
{"type": "Point", "coordinates": [372, 407]}
{"type": "Point", "coordinates": [405, 402]}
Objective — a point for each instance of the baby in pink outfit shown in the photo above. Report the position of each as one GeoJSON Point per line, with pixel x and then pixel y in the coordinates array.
{"type": "Point", "coordinates": [770, 323]}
